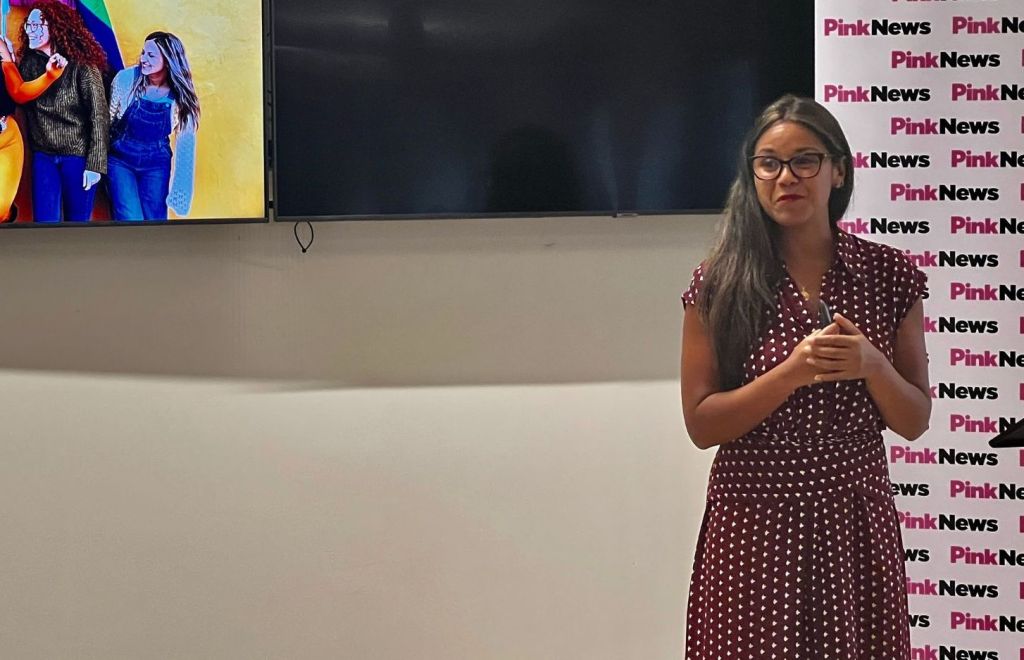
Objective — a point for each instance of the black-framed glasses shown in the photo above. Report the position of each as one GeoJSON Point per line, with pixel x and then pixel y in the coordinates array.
{"type": "Point", "coordinates": [803, 166]}
{"type": "Point", "coordinates": [35, 27]}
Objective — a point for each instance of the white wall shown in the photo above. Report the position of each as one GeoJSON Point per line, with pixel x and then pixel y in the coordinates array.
{"type": "Point", "coordinates": [433, 440]}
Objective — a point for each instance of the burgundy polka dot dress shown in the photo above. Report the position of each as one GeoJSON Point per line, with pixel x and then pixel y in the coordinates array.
{"type": "Point", "coordinates": [799, 554]}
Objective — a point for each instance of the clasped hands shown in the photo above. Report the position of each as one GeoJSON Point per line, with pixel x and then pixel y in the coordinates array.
{"type": "Point", "coordinates": [840, 351]}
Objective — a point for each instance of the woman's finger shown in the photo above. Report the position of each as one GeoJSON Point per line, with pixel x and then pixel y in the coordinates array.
{"type": "Point", "coordinates": [830, 329]}
{"type": "Point", "coordinates": [834, 376]}
{"type": "Point", "coordinates": [835, 341]}
{"type": "Point", "coordinates": [846, 324]}
{"type": "Point", "coordinates": [829, 352]}
{"type": "Point", "coordinates": [824, 364]}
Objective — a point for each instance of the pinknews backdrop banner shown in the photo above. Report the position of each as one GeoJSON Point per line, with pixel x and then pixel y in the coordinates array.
{"type": "Point", "coordinates": [931, 95]}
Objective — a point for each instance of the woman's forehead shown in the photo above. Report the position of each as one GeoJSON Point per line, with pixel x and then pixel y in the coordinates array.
{"type": "Point", "coordinates": [788, 136]}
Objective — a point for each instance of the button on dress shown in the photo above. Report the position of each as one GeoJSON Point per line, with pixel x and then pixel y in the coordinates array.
{"type": "Point", "coordinates": [799, 553]}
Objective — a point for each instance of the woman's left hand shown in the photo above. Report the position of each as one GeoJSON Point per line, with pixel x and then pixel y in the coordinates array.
{"type": "Point", "coordinates": [90, 179]}
{"type": "Point", "coordinates": [846, 356]}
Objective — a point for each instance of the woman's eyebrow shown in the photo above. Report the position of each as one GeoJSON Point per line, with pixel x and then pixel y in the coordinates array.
{"type": "Point", "coordinates": [769, 151]}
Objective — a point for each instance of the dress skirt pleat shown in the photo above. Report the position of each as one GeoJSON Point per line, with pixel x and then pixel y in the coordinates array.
{"type": "Point", "coordinates": [799, 556]}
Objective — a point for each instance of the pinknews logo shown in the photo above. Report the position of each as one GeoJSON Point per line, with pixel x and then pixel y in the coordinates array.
{"type": "Point", "coordinates": [879, 27]}
{"type": "Point", "coordinates": [885, 160]}
{"type": "Point", "coordinates": [988, 159]}
{"type": "Point", "coordinates": [964, 357]}
{"type": "Point", "coordinates": [906, 59]}
{"type": "Point", "coordinates": [968, 92]}
{"type": "Point", "coordinates": [952, 259]}
{"type": "Point", "coordinates": [986, 292]}
{"type": "Point", "coordinates": [928, 652]}
{"type": "Point", "coordinates": [965, 392]}
{"type": "Point", "coordinates": [947, 522]}
{"type": "Point", "coordinates": [986, 622]}
{"type": "Point", "coordinates": [951, 589]}
{"type": "Point", "coordinates": [905, 192]}
{"type": "Point", "coordinates": [922, 555]}
{"type": "Point", "coordinates": [1004, 25]}
{"type": "Point", "coordinates": [900, 489]}
{"type": "Point", "coordinates": [959, 224]}
{"type": "Point", "coordinates": [884, 226]}
{"type": "Point", "coordinates": [943, 126]}
{"type": "Point", "coordinates": [943, 456]}
{"type": "Point", "coordinates": [986, 425]}
{"type": "Point", "coordinates": [986, 491]}
{"type": "Point", "coordinates": [876, 94]}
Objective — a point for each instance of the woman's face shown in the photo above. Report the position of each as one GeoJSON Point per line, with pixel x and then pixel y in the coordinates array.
{"type": "Point", "coordinates": [38, 30]}
{"type": "Point", "coordinates": [790, 200]}
{"type": "Point", "coordinates": [151, 60]}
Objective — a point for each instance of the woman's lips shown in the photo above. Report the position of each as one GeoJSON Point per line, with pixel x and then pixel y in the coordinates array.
{"type": "Point", "coordinates": [789, 198]}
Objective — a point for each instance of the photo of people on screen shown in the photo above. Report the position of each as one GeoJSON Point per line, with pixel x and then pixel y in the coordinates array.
{"type": "Point", "coordinates": [150, 103]}
{"type": "Point", "coordinates": [100, 110]}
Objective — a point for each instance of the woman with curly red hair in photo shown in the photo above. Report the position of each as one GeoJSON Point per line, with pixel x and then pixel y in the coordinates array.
{"type": "Point", "coordinates": [14, 91]}
{"type": "Point", "coordinates": [68, 123]}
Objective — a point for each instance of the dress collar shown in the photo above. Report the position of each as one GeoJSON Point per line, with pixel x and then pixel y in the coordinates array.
{"type": "Point", "coordinates": [848, 253]}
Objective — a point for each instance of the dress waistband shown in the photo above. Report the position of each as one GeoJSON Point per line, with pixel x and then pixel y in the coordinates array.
{"type": "Point", "coordinates": [772, 467]}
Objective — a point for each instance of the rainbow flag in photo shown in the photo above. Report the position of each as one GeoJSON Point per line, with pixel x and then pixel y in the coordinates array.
{"type": "Point", "coordinates": [94, 14]}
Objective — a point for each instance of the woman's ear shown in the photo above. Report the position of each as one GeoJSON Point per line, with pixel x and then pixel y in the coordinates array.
{"type": "Point", "coordinates": [838, 171]}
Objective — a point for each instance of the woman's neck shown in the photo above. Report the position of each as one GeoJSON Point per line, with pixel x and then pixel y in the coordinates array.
{"type": "Point", "coordinates": [157, 80]}
{"type": "Point", "coordinates": [810, 244]}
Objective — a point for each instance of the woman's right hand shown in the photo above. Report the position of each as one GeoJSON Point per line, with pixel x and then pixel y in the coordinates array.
{"type": "Point", "coordinates": [6, 50]}
{"type": "Point", "coordinates": [796, 367]}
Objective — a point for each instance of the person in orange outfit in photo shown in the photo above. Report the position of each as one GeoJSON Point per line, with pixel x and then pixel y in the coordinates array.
{"type": "Point", "coordinates": [12, 145]}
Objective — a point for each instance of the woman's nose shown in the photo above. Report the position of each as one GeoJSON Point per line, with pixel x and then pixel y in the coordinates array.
{"type": "Point", "coordinates": [786, 175]}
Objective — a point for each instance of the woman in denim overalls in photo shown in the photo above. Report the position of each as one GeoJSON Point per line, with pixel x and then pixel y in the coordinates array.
{"type": "Point", "coordinates": [149, 103]}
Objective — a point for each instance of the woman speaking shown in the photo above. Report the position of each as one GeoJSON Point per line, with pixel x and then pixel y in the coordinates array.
{"type": "Point", "coordinates": [801, 343]}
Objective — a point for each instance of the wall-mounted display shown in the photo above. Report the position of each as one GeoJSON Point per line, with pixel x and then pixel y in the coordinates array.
{"type": "Point", "coordinates": [448, 108]}
{"type": "Point", "coordinates": [132, 111]}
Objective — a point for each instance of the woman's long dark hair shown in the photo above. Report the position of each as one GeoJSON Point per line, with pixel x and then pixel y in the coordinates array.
{"type": "Point", "coordinates": [744, 268]}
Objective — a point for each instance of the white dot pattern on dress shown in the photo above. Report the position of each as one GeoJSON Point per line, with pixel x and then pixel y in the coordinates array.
{"type": "Point", "coordinates": [799, 553]}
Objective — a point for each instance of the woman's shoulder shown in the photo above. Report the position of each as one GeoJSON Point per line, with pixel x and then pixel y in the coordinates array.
{"type": "Point", "coordinates": [32, 60]}
{"type": "Point", "coordinates": [885, 268]}
{"type": "Point", "coordinates": [124, 77]}
{"type": "Point", "coordinates": [871, 255]}
{"type": "Point", "coordinates": [689, 295]}
{"type": "Point", "coordinates": [84, 73]}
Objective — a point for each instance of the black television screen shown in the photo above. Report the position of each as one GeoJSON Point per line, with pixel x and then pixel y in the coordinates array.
{"type": "Point", "coordinates": [433, 108]}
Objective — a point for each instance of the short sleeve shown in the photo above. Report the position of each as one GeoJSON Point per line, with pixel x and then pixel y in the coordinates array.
{"type": "Point", "coordinates": [909, 285]}
{"type": "Point", "coordinates": [690, 295]}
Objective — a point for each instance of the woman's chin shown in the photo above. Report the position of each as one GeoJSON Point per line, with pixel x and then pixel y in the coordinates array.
{"type": "Point", "coordinates": [789, 218]}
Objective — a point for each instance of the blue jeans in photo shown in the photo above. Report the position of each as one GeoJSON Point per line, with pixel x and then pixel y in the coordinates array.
{"type": "Point", "coordinates": [57, 191]}
{"type": "Point", "coordinates": [139, 165]}
{"type": "Point", "coordinates": [138, 193]}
